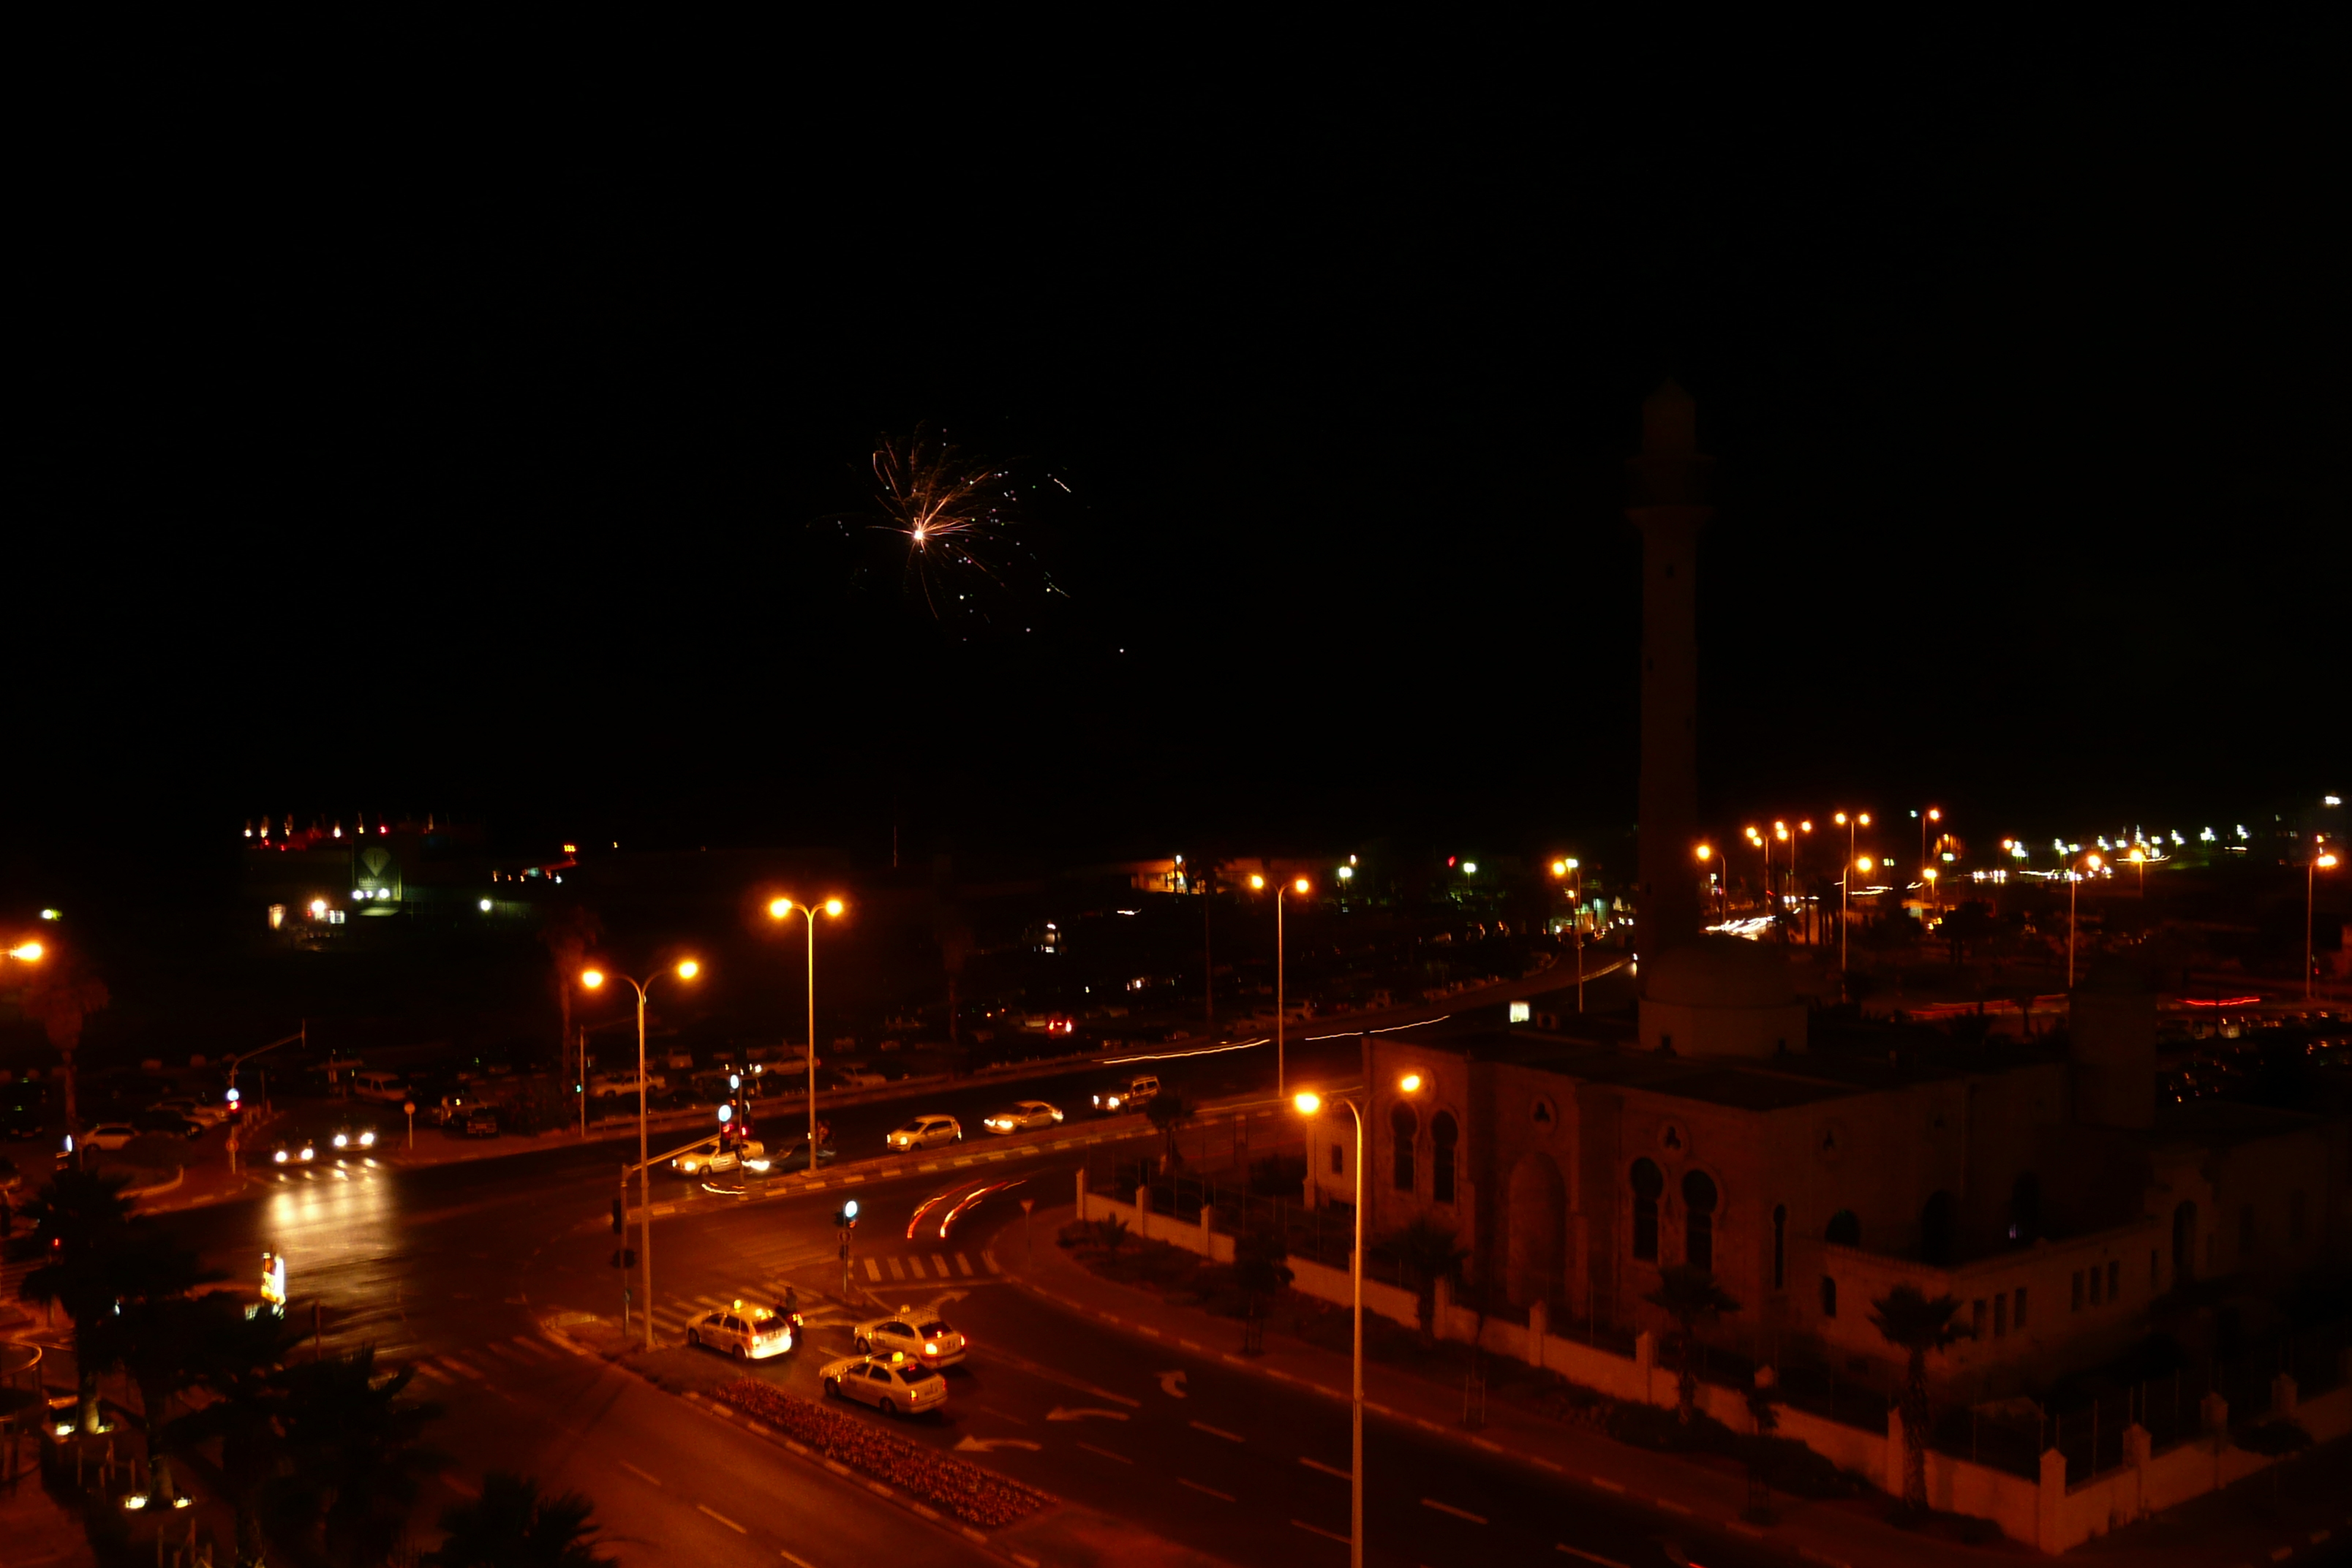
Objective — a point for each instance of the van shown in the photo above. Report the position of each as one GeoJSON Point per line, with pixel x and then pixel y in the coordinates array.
{"type": "Point", "coordinates": [388, 1087]}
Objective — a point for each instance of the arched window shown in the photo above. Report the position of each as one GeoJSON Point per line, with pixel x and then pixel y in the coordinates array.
{"type": "Point", "coordinates": [1829, 1297]}
{"type": "Point", "coordinates": [1444, 1133]}
{"type": "Point", "coordinates": [1780, 1247]}
{"type": "Point", "coordinates": [1649, 1185]}
{"type": "Point", "coordinates": [1403, 1125]}
{"type": "Point", "coordinates": [1845, 1229]}
{"type": "Point", "coordinates": [1699, 1198]}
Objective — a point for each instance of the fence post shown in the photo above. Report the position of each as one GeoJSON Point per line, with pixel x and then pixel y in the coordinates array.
{"type": "Point", "coordinates": [1082, 1192]}
{"type": "Point", "coordinates": [2049, 1501]}
{"type": "Point", "coordinates": [1538, 1325]}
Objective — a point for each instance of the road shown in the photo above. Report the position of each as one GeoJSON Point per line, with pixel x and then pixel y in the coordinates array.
{"type": "Point", "coordinates": [455, 1268]}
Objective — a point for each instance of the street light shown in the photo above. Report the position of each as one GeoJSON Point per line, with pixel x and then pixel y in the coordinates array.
{"type": "Point", "coordinates": [2073, 880]}
{"type": "Point", "coordinates": [778, 910]}
{"type": "Point", "coordinates": [686, 969]}
{"type": "Point", "coordinates": [1298, 886]}
{"type": "Point", "coordinates": [2139, 856]}
{"type": "Point", "coordinates": [1845, 876]}
{"type": "Point", "coordinates": [1571, 868]}
{"type": "Point", "coordinates": [1308, 1104]}
{"type": "Point", "coordinates": [2321, 860]}
{"type": "Point", "coordinates": [1931, 815]}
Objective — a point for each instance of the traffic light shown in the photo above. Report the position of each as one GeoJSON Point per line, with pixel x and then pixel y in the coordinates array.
{"type": "Point", "coordinates": [845, 1217]}
{"type": "Point", "coordinates": [620, 1219]}
{"type": "Point", "coordinates": [625, 1257]}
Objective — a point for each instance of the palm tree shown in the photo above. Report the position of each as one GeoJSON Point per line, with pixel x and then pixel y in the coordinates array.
{"type": "Point", "coordinates": [61, 995]}
{"type": "Point", "coordinates": [82, 1226]}
{"type": "Point", "coordinates": [1428, 1252]}
{"type": "Point", "coordinates": [1690, 1296]}
{"type": "Point", "coordinates": [353, 1460]}
{"type": "Point", "coordinates": [514, 1525]}
{"type": "Point", "coordinates": [568, 934]}
{"type": "Point", "coordinates": [1908, 1320]}
{"type": "Point", "coordinates": [157, 1331]}
{"type": "Point", "coordinates": [1166, 1110]}
{"type": "Point", "coordinates": [237, 1361]}
{"type": "Point", "coordinates": [1260, 1266]}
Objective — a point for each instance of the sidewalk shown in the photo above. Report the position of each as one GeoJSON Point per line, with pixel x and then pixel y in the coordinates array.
{"type": "Point", "coordinates": [1845, 1535]}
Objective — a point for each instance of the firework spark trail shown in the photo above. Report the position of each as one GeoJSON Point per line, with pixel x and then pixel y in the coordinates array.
{"type": "Point", "coordinates": [948, 510]}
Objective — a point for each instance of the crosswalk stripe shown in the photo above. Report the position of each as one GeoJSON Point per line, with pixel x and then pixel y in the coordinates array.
{"type": "Point", "coordinates": [898, 1271]}
{"type": "Point", "coordinates": [454, 1364]}
{"type": "Point", "coordinates": [426, 1369]}
{"type": "Point", "coordinates": [713, 1302]}
{"type": "Point", "coordinates": [872, 1269]}
{"type": "Point", "coordinates": [965, 1263]}
{"type": "Point", "coordinates": [941, 1261]}
{"type": "Point", "coordinates": [531, 1346]}
{"type": "Point", "coordinates": [503, 1353]}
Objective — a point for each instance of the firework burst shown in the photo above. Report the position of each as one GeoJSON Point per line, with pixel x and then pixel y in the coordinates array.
{"type": "Point", "coordinates": [954, 515]}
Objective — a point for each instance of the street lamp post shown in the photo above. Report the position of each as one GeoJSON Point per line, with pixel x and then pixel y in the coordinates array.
{"type": "Point", "coordinates": [1931, 815]}
{"type": "Point", "coordinates": [779, 909]}
{"type": "Point", "coordinates": [1845, 876]}
{"type": "Point", "coordinates": [1573, 868]}
{"type": "Point", "coordinates": [1308, 1104]}
{"type": "Point", "coordinates": [1797, 881]}
{"type": "Point", "coordinates": [686, 970]}
{"type": "Point", "coordinates": [2073, 883]}
{"type": "Point", "coordinates": [2321, 860]}
{"type": "Point", "coordinates": [1705, 853]}
{"type": "Point", "coordinates": [1298, 886]}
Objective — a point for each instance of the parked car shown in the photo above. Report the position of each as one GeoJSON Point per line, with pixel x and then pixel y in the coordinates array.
{"type": "Point", "coordinates": [171, 1123]}
{"type": "Point", "coordinates": [792, 1159]}
{"type": "Point", "coordinates": [857, 1078]}
{"type": "Point", "coordinates": [890, 1386]}
{"type": "Point", "coordinates": [211, 1112]}
{"type": "Point", "coordinates": [1025, 1116]}
{"type": "Point", "coordinates": [481, 1121]}
{"type": "Point", "coordinates": [389, 1087]}
{"type": "Point", "coordinates": [1133, 1095]}
{"type": "Point", "coordinates": [109, 1135]}
{"type": "Point", "coordinates": [926, 1132]}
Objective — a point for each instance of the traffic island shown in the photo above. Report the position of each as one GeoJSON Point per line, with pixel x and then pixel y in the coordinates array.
{"type": "Point", "coordinates": [975, 1496]}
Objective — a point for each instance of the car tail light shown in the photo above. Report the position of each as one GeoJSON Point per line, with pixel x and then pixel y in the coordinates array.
{"type": "Point", "coordinates": [931, 1347]}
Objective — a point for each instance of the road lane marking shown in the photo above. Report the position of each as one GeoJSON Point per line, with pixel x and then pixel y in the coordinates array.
{"type": "Point", "coordinates": [1187, 1344]}
{"type": "Point", "coordinates": [796, 1562]}
{"type": "Point", "coordinates": [641, 1475]}
{"type": "Point", "coordinates": [1106, 1453]}
{"type": "Point", "coordinates": [940, 1261]}
{"type": "Point", "coordinates": [706, 1508]}
{"type": "Point", "coordinates": [1328, 1469]}
{"type": "Point", "coordinates": [933, 1166]}
{"type": "Point", "coordinates": [1605, 1484]}
{"type": "Point", "coordinates": [872, 1269]}
{"type": "Point", "coordinates": [505, 1354]}
{"type": "Point", "coordinates": [989, 1257]}
{"type": "Point", "coordinates": [428, 1370]}
{"type": "Point", "coordinates": [533, 1347]}
{"type": "Point", "coordinates": [878, 1490]}
{"type": "Point", "coordinates": [1210, 1492]}
{"type": "Point", "coordinates": [1318, 1530]}
{"type": "Point", "coordinates": [965, 1263]}
{"type": "Point", "coordinates": [1590, 1556]}
{"type": "Point", "coordinates": [897, 1270]}
{"type": "Point", "coordinates": [459, 1366]}
{"type": "Point", "coordinates": [1214, 1432]}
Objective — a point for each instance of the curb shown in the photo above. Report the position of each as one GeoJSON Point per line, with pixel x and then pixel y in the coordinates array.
{"type": "Point", "coordinates": [1483, 1445]}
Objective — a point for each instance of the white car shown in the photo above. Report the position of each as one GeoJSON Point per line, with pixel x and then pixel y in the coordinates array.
{"type": "Point", "coordinates": [926, 1132]}
{"type": "Point", "coordinates": [747, 1333]}
{"type": "Point", "coordinates": [920, 1337]}
{"type": "Point", "coordinates": [1027, 1116]}
{"type": "Point", "coordinates": [109, 1135]}
{"type": "Point", "coordinates": [706, 1162]}
{"type": "Point", "coordinates": [890, 1386]}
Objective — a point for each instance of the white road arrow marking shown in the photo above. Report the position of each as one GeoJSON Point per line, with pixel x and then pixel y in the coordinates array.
{"type": "Point", "coordinates": [1171, 1384]}
{"type": "Point", "coordinates": [1063, 1412]}
{"type": "Point", "coordinates": [989, 1445]}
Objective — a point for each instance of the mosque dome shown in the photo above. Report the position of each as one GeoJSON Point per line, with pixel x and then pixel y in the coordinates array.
{"type": "Point", "coordinates": [1719, 972]}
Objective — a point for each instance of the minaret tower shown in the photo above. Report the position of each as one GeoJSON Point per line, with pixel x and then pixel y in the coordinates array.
{"type": "Point", "coordinates": [1667, 502]}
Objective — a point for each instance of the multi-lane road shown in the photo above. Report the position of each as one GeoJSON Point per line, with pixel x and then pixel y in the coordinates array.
{"type": "Point", "coordinates": [461, 1269]}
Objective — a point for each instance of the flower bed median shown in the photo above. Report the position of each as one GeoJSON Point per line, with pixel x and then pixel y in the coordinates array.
{"type": "Point", "coordinates": [973, 1495]}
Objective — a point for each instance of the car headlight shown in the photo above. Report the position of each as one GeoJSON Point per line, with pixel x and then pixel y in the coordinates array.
{"type": "Point", "coordinates": [279, 1156]}
{"type": "Point", "coordinates": [308, 1150]}
{"type": "Point", "coordinates": [1112, 1102]}
{"type": "Point", "coordinates": [340, 1140]}
{"type": "Point", "coordinates": [367, 1140]}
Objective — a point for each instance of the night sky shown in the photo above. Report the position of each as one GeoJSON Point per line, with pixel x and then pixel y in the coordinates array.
{"type": "Point", "coordinates": [522, 475]}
